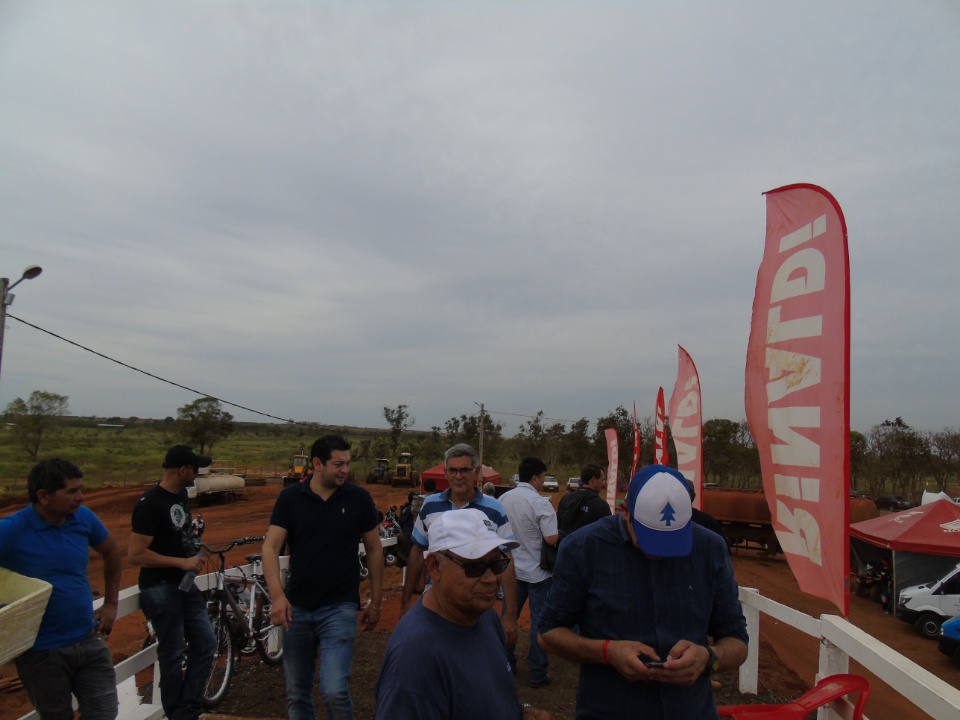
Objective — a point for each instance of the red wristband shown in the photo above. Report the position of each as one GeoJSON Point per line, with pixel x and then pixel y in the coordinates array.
{"type": "Point", "coordinates": [606, 644]}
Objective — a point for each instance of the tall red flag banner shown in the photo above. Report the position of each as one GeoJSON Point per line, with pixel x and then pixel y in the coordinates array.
{"type": "Point", "coordinates": [636, 442]}
{"type": "Point", "coordinates": [686, 423]}
{"type": "Point", "coordinates": [660, 455]}
{"type": "Point", "coordinates": [613, 456]}
{"type": "Point", "coordinates": [798, 385]}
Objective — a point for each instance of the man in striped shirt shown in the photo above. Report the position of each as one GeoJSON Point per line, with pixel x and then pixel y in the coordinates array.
{"type": "Point", "coordinates": [462, 468]}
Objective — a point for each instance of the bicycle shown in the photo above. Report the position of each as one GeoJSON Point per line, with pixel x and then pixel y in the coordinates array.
{"type": "Point", "coordinates": [239, 610]}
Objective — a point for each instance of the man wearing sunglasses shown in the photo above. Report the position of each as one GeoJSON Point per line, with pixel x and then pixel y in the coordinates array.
{"type": "Point", "coordinates": [447, 657]}
{"type": "Point", "coordinates": [656, 602]}
{"type": "Point", "coordinates": [462, 468]}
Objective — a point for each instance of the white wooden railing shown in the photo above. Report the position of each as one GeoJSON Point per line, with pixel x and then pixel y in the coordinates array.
{"type": "Point", "coordinates": [840, 640]}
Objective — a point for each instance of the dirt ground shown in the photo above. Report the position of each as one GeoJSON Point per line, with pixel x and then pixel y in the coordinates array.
{"type": "Point", "coordinates": [788, 658]}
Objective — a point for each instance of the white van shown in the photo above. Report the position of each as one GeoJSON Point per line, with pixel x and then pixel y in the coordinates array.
{"type": "Point", "coordinates": [927, 606]}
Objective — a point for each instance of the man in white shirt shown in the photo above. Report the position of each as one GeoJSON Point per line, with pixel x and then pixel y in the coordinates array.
{"type": "Point", "coordinates": [534, 522]}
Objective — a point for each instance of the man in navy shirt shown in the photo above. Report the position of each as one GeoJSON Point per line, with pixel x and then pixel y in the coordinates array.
{"type": "Point", "coordinates": [657, 606]}
{"type": "Point", "coordinates": [447, 658]}
{"type": "Point", "coordinates": [49, 540]}
{"type": "Point", "coordinates": [323, 520]}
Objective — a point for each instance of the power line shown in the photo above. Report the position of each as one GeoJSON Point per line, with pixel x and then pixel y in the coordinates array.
{"type": "Point", "coordinates": [157, 377]}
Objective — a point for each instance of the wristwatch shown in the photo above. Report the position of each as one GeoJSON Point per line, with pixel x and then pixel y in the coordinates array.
{"type": "Point", "coordinates": [713, 665]}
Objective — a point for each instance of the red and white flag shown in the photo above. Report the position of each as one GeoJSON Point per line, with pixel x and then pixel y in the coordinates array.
{"type": "Point", "coordinates": [636, 442]}
{"type": "Point", "coordinates": [660, 454]}
{"type": "Point", "coordinates": [798, 385]}
{"type": "Point", "coordinates": [686, 423]}
{"type": "Point", "coordinates": [613, 457]}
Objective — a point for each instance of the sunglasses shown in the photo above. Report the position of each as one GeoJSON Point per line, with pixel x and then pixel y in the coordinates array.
{"type": "Point", "coordinates": [476, 568]}
{"type": "Point", "coordinates": [459, 471]}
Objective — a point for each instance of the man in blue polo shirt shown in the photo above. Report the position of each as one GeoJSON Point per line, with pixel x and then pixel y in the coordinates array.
{"type": "Point", "coordinates": [323, 520]}
{"type": "Point", "coordinates": [462, 468]}
{"type": "Point", "coordinates": [657, 606]}
{"type": "Point", "coordinates": [49, 540]}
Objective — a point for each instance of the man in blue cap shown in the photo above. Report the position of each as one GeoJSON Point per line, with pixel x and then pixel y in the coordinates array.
{"type": "Point", "coordinates": [656, 602]}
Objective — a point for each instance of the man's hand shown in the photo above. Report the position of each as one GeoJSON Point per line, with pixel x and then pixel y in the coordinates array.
{"type": "Point", "coordinates": [532, 713]}
{"type": "Point", "coordinates": [627, 658]}
{"type": "Point", "coordinates": [509, 623]}
{"type": "Point", "coordinates": [192, 564]}
{"type": "Point", "coordinates": [370, 617]}
{"type": "Point", "coordinates": [684, 665]}
{"type": "Point", "coordinates": [281, 612]}
{"type": "Point", "coordinates": [105, 617]}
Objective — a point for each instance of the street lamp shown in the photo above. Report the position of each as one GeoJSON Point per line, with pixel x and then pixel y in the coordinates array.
{"type": "Point", "coordinates": [6, 298]}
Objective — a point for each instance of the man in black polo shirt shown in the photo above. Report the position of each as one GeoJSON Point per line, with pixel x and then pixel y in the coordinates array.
{"type": "Point", "coordinates": [323, 521]}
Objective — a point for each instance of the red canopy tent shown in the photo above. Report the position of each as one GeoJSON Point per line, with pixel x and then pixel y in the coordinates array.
{"type": "Point", "coordinates": [923, 541]}
{"type": "Point", "coordinates": [440, 477]}
{"type": "Point", "coordinates": [932, 529]}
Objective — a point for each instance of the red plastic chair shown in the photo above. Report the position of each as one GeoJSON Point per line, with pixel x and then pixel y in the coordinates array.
{"type": "Point", "coordinates": [826, 691]}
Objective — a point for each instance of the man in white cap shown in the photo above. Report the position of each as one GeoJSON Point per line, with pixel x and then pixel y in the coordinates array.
{"type": "Point", "coordinates": [657, 605]}
{"type": "Point", "coordinates": [447, 657]}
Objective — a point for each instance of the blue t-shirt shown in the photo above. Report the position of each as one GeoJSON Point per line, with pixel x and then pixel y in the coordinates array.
{"type": "Point", "coordinates": [434, 669]}
{"type": "Point", "coordinates": [31, 546]}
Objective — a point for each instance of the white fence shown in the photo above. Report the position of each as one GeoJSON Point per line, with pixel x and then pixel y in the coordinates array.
{"type": "Point", "coordinates": [839, 641]}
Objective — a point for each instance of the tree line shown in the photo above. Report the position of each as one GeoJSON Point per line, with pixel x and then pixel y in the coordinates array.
{"type": "Point", "coordinates": [892, 457]}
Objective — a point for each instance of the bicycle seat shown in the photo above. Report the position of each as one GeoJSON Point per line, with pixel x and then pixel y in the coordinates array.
{"type": "Point", "coordinates": [254, 558]}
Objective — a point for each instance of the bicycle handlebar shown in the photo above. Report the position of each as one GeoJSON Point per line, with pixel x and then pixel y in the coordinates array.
{"type": "Point", "coordinates": [231, 545]}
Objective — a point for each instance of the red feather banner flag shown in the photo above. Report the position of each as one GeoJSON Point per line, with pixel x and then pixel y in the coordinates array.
{"type": "Point", "coordinates": [660, 454]}
{"type": "Point", "coordinates": [636, 442]}
{"type": "Point", "coordinates": [613, 457]}
{"type": "Point", "coordinates": [798, 385]}
{"type": "Point", "coordinates": [686, 423]}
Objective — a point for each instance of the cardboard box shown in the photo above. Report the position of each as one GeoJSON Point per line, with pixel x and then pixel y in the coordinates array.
{"type": "Point", "coordinates": [23, 599]}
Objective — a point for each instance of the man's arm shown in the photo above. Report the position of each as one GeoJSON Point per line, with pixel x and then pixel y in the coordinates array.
{"type": "Point", "coordinates": [414, 571]}
{"type": "Point", "coordinates": [509, 617]}
{"type": "Point", "coordinates": [687, 661]}
{"type": "Point", "coordinates": [281, 613]}
{"type": "Point", "coordinates": [107, 613]}
{"type": "Point", "coordinates": [140, 554]}
{"type": "Point", "coordinates": [625, 656]}
{"type": "Point", "coordinates": [374, 550]}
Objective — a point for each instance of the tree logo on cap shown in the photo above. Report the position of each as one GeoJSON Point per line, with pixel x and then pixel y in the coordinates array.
{"type": "Point", "coordinates": [668, 514]}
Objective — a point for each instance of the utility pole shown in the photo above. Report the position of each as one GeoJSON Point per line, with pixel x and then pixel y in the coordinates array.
{"type": "Point", "coordinates": [480, 448]}
{"type": "Point", "coordinates": [7, 299]}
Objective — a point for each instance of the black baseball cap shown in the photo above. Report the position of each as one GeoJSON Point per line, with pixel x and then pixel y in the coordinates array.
{"type": "Point", "coordinates": [182, 455]}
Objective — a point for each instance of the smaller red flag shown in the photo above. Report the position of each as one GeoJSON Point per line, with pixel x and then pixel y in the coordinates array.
{"type": "Point", "coordinates": [660, 456]}
{"type": "Point", "coordinates": [636, 442]}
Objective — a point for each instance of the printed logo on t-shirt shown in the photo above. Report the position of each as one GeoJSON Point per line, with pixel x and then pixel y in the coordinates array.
{"type": "Point", "coordinates": [178, 516]}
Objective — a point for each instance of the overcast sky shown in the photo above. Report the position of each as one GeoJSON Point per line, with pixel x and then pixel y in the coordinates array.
{"type": "Point", "coordinates": [319, 209]}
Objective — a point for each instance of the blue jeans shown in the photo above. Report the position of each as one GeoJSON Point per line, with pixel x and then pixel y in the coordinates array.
{"type": "Point", "coordinates": [537, 662]}
{"type": "Point", "coordinates": [84, 668]}
{"type": "Point", "coordinates": [332, 629]}
{"type": "Point", "coordinates": [179, 618]}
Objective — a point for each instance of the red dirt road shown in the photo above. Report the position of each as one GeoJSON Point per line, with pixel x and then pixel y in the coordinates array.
{"type": "Point", "coordinates": [771, 577]}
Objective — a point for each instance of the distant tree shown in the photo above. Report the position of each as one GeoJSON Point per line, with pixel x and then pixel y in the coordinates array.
{"type": "Point", "coordinates": [577, 443]}
{"type": "Point", "coordinates": [945, 455]}
{"type": "Point", "coordinates": [858, 458]}
{"type": "Point", "coordinates": [399, 420]}
{"type": "Point", "coordinates": [204, 423]}
{"type": "Point", "coordinates": [466, 429]}
{"type": "Point", "coordinates": [36, 418]}
{"type": "Point", "coordinates": [622, 421]}
{"type": "Point", "coordinates": [532, 436]}
{"type": "Point", "coordinates": [554, 451]}
{"type": "Point", "coordinates": [900, 457]}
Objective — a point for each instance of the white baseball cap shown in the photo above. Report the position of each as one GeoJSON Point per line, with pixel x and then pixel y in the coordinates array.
{"type": "Point", "coordinates": [659, 502]}
{"type": "Point", "coordinates": [466, 533]}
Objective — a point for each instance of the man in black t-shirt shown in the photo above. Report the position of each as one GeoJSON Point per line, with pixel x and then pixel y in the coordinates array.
{"type": "Point", "coordinates": [162, 545]}
{"type": "Point", "coordinates": [323, 521]}
{"type": "Point", "coordinates": [585, 505]}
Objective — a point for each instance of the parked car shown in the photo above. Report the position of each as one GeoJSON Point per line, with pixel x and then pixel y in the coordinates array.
{"type": "Point", "coordinates": [573, 484]}
{"type": "Point", "coordinates": [893, 502]}
{"type": "Point", "coordinates": [927, 606]}
{"type": "Point", "coordinates": [550, 483]}
{"type": "Point", "coordinates": [950, 639]}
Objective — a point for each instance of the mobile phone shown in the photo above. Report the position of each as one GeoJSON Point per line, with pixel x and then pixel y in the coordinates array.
{"type": "Point", "coordinates": [653, 664]}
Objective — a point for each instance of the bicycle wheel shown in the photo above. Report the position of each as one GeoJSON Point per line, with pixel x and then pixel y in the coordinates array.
{"type": "Point", "coordinates": [269, 636]}
{"type": "Point", "coordinates": [219, 681]}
